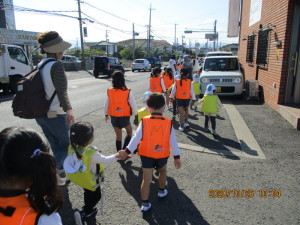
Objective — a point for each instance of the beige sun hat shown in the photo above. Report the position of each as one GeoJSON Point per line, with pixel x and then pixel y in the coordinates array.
{"type": "Point", "coordinates": [56, 45]}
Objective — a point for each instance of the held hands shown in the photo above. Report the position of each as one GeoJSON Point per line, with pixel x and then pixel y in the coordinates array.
{"type": "Point", "coordinates": [106, 118]}
{"type": "Point", "coordinates": [122, 154]}
{"type": "Point", "coordinates": [118, 157]}
{"type": "Point", "coordinates": [177, 163]}
{"type": "Point", "coordinates": [171, 100]}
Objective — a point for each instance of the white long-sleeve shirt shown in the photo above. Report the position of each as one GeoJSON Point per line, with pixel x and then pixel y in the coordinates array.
{"type": "Point", "coordinates": [101, 159]}
{"type": "Point", "coordinates": [162, 84]}
{"type": "Point", "coordinates": [135, 140]}
{"type": "Point", "coordinates": [131, 102]}
{"type": "Point", "coordinates": [173, 92]}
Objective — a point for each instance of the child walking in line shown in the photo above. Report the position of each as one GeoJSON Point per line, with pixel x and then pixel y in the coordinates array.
{"type": "Point", "coordinates": [196, 87]}
{"type": "Point", "coordinates": [210, 105]}
{"type": "Point", "coordinates": [119, 106]}
{"type": "Point", "coordinates": [168, 79]}
{"type": "Point", "coordinates": [84, 167]}
{"type": "Point", "coordinates": [155, 138]}
{"type": "Point", "coordinates": [28, 185]}
{"type": "Point", "coordinates": [156, 83]}
{"type": "Point", "coordinates": [183, 91]}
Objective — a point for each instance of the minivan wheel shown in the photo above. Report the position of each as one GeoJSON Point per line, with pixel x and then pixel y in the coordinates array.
{"type": "Point", "coordinates": [132, 70]}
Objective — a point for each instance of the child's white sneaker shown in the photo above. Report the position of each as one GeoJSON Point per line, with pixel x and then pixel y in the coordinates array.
{"type": "Point", "coordinates": [186, 124]}
{"type": "Point", "coordinates": [146, 206]}
{"type": "Point", "coordinates": [162, 193]}
{"type": "Point", "coordinates": [181, 129]}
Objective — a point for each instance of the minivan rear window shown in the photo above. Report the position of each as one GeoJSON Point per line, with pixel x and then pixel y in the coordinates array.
{"type": "Point", "coordinates": [101, 60]}
{"type": "Point", "coordinates": [221, 64]}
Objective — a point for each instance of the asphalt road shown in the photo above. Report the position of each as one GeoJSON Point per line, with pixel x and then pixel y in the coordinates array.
{"type": "Point", "coordinates": [222, 181]}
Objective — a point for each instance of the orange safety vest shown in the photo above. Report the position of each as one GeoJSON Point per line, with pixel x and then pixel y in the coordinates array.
{"type": "Point", "coordinates": [167, 81]}
{"type": "Point", "coordinates": [23, 214]}
{"type": "Point", "coordinates": [183, 91]}
{"type": "Point", "coordinates": [155, 142]}
{"type": "Point", "coordinates": [155, 85]}
{"type": "Point", "coordinates": [118, 105]}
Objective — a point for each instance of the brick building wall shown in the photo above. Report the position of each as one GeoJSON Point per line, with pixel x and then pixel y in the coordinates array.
{"type": "Point", "coordinates": [276, 14]}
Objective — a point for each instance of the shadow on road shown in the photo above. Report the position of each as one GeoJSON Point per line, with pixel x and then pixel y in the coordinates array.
{"type": "Point", "coordinates": [197, 135]}
{"type": "Point", "coordinates": [177, 208]}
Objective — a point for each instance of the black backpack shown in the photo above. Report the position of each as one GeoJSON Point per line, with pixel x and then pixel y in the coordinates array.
{"type": "Point", "coordinates": [30, 99]}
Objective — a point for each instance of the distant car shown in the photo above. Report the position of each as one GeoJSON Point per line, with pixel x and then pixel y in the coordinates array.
{"type": "Point", "coordinates": [218, 53]}
{"type": "Point", "coordinates": [107, 66]}
{"type": "Point", "coordinates": [140, 64]}
{"type": "Point", "coordinates": [225, 72]}
{"type": "Point", "coordinates": [71, 63]}
{"type": "Point", "coordinates": [70, 58]}
{"type": "Point", "coordinates": [155, 62]}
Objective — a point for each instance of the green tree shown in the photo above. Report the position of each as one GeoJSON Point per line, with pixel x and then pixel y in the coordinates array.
{"type": "Point", "coordinates": [87, 52]}
{"type": "Point", "coordinates": [126, 53]}
{"type": "Point", "coordinates": [157, 52]}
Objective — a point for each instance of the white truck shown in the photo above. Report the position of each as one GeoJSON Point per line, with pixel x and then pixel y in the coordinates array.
{"type": "Point", "coordinates": [14, 64]}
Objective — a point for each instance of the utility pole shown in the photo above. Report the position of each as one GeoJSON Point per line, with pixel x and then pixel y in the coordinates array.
{"type": "Point", "coordinates": [106, 38]}
{"type": "Point", "coordinates": [133, 41]}
{"type": "Point", "coordinates": [149, 33]}
{"type": "Point", "coordinates": [81, 36]}
{"type": "Point", "coordinates": [215, 34]}
{"type": "Point", "coordinates": [175, 39]}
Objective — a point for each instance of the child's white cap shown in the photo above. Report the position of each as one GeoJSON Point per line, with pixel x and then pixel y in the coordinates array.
{"type": "Point", "coordinates": [210, 89]}
{"type": "Point", "coordinates": [145, 95]}
{"type": "Point", "coordinates": [196, 78]}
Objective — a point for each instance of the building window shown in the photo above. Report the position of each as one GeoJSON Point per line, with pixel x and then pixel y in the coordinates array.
{"type": "Point", "coordinates": [262, 47]}
{"type": "Point", "coordinates": [250, 49]}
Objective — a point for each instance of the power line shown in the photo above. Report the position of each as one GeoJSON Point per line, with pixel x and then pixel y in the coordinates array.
{"type": "Point", "coordinates": [110, 13]}
{"type": "Point", "coordinates": [105, 25]}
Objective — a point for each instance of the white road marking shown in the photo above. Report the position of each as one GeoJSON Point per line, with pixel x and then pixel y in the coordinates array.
{"type": "Point", "coordinates": [249, 145]}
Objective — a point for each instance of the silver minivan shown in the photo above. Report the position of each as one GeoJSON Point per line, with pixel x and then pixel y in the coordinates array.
{"type": "Point", "coordinates": [225, 72]}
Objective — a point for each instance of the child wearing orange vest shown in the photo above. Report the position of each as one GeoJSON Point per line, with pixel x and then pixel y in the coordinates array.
{"type": "Point", "coordinates": [156, 83]}
{"type": "Point", "coordinates": [119, 106]}
{"type": "Point", "coordinates": [168, 79]}
{"type": "Point", "coordinates": [28, 184]}
{"type": "Point", "coordinates": [155, 138]}
{"type": "Point", "coordinates": [183, 91]}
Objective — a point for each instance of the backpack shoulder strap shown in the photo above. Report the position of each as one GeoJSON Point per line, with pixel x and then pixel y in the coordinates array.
{"type": "Point", "coordinates": [45, 63]}
{"type": "Point", "coordinates": [41, 67]}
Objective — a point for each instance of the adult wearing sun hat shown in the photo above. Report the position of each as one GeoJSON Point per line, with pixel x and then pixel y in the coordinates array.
{"type": "Point", "coordinates": [55, 124]}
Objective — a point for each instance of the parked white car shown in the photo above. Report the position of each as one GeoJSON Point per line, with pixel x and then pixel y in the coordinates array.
{"type": "Point", "coordinates": [225, 73]}
{"type": "Point", "coordinates": [141, 64]}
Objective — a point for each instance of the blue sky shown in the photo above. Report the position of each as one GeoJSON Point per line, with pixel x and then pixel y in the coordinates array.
{"type": "Point", "coordinates": [188, 14]}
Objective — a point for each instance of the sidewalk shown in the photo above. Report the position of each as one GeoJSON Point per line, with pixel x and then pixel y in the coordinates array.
{"type": "Point", "coordinates": [202, 172]}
